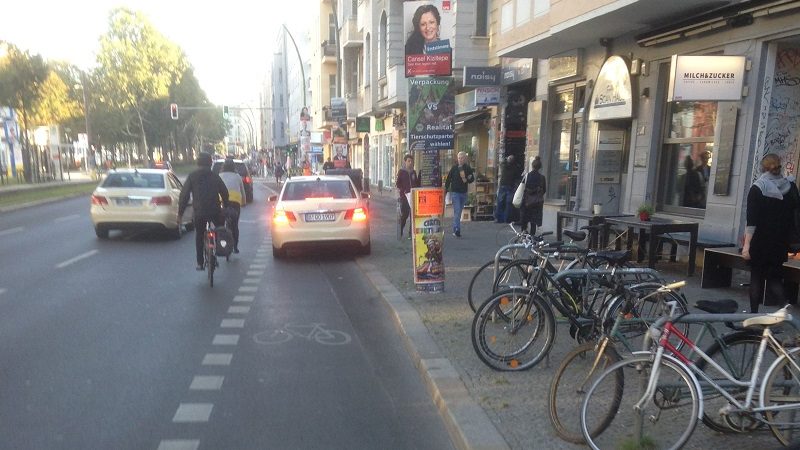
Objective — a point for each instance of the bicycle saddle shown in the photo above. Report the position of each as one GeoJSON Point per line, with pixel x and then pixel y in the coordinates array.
{"type": "Point", "coordinates": [593, 227]}
{"type": "Point", "coordinates": [723, 306]}
{"type": "Point", "coordinates": [575, 235]}
{"type": "Point", "coordinates": [768, 319]}
{"type": "Point", "coordinates": [616, 257]}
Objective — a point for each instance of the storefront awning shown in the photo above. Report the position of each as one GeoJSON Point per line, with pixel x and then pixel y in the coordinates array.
{"type": "Point", "coordinates": [463, 119]}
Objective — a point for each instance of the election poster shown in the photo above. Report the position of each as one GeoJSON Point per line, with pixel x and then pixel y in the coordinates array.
{"type": "Point", "coordinates": [428, 27]}
{"type": "Point", "coordinates": [431, 110]}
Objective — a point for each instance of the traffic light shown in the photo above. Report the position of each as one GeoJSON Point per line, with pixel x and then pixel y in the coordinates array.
{"type": "Point", "coordinates": [173, 111]}
{"type": "Point", "coordinates": [225, 112]}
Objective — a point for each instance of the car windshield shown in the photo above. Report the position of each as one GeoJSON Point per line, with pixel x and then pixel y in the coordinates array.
{"type": "Point", "coordinates": [134, 180]}
{"type": "Point", "coordinates": [335, 189]}
{"type": "Point", "coordinates": [241, 168]}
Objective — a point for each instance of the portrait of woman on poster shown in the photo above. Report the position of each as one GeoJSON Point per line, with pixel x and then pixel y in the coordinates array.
{"type": "Point", "coordinates": [426, 22]}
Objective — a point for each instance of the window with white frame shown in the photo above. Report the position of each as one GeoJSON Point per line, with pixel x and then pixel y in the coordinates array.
{"type": "Point", "coordinates": [541, 7]}
{"type": "Point", "coordinates": [382, 43]}
{"type": "Point", "coordinates": [331, 29]}
{"type": "Point", "coordinates": [367, 59]}
{"type": "Point", "coordinates": [523, 12]}
{"type": "Point", "coordinates": [507, 17]}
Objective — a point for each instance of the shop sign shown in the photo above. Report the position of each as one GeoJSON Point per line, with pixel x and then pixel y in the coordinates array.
{"type": "Point", "coordinates": [514, 70]}
{"type": "Point", "coordinates": [362, 124]}
{"type": "Point", "coordinates": [612, 97]}
{"type": "Point", "coordinates": [481, 76]}
{"type": "Point", "coordinates": [465, 102]}
{"type": "Point", "coordinates": [338, 108]}
{"type": "Point", "coordinates": [487, 95]}
{"type": "Point", "coordinates": [708, 78]}
{"type": "Point", "coordinates": [608, 160]}
{"type": "Point", "coordinates": [564, 65]}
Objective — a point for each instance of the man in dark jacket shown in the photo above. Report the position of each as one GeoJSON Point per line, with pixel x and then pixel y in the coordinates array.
{"type": "Point", "coordinates": [406, 179]}
{"type": "Point", "coordinates": [509, 179]}
{"type": "Point", "coordinates": [460, 175]}
{"type": "Point", "coordinates": [206, 189]}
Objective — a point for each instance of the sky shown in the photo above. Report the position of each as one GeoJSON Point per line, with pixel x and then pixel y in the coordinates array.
{"type": "Point", "coordinates": [228, 42]}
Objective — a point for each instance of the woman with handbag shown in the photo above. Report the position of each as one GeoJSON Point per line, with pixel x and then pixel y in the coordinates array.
{"type": "Point", "coordinates": [533, 198]}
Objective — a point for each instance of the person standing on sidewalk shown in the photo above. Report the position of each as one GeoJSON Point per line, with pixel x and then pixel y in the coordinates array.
{"type": "Point", "coordinates": [771, 204]}
{"type": "Point", "coordinates": [509, 179]}
{"type": "Point", "coordinates": [533, 200]}
{"type": "Point", "coordinates": [236, 198]}
{"type": "Point", "coordinates": [406, 179]}
{"type": "Point", "coordinates": [460, 175]}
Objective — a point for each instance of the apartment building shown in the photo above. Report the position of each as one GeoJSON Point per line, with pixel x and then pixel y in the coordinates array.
{"type": "Point", "coordinates": [620, 116]}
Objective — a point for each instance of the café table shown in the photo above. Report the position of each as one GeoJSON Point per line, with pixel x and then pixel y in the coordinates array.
{"type": "Point", "coordinates": [596, 240]}
{"type": "Point", "coordinates": [653, 228]}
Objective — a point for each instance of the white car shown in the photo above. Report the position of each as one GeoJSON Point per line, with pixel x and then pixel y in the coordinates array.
{"type": "Point", "coordinates": [138, 199]}
{"type": "Point", "coordinates": [320, 210]}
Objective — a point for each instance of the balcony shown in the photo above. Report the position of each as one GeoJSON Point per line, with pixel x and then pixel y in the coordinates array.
{"type": "Point", "coordinates": [393, 88]}
{"type": "Point", "coordinates": [349, 35]}
{"type": "Point", "coordinates": [328, 52]}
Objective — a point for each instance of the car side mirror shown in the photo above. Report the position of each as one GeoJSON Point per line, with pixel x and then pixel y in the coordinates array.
{"type": "Point", "coordinates": [365, 195]}
{"type": "Point", "coordinates": [272, 198]}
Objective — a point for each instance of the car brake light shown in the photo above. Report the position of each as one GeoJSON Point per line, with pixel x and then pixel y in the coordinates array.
{"type": "Point", "coordinates": [356, 215]}
{"type": "Point", "coordinates": [99, 200]}
{"type": "Point", "coordinates": [247, 180]}
{"type": "Point", "coordinates": [281, 217]}
{"type": "Point", "coordinates": [165, 200]}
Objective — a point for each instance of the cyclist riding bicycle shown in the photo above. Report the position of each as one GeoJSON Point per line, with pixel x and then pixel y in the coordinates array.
{"type": "Point", "coordinates": [206, 189]}
{"type": "Point", "coordinates": [236, 198]}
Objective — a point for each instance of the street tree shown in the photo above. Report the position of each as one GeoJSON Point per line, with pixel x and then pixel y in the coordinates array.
{"type": "Point", "coordinates": [136, 66]}
{"type": "Point", "coordinates": [21, 78]}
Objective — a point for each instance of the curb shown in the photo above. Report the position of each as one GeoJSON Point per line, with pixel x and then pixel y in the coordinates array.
{"type": "Point", "coordinates": [467, 423]}
{"type": "Point", "coordinates": [5, 209]}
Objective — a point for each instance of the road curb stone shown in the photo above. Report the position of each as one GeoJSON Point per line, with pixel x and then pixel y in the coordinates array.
{"type": "Point", "coordinates": [468, 424]}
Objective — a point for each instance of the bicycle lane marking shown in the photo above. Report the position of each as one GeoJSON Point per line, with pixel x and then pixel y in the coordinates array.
{"type": "Point", "coordinates": [76, 259]}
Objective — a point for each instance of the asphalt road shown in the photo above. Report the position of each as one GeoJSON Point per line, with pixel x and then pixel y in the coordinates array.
{"type": "Point", "coordinates": [122, 344]}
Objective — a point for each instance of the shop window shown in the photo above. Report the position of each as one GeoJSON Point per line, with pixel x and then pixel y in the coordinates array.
{"type": "Point", "coordinates": [563, 160]}
{"type": "Point", "coordinates": [686, 157]}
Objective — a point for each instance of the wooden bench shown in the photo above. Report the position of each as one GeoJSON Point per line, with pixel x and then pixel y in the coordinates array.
{"type": "Point", "coordinates": [675, 239]}
{"type": "Point", "coordinates": [719, 264]}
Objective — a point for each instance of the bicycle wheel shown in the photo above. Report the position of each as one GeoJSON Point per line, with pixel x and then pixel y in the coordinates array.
{"type": "Point", "coordinates": [782, 389]}
{"type": "Point", "coordinates": [513, 330]}
{"type": "Point", "coordinates": [667, 420]}
{"type": "Point", "coordinates": [480, 286]}
{"type": "Point", "coordinates": [212, 263]}
{"type": "Point", "coordinates": [648, 310]}
{"type": "Point", "coordinates": [573, 378]}
{"type": "Point", "coordinates": [736, 353]}
{"type": "Point", "coordinates": [518, 273]}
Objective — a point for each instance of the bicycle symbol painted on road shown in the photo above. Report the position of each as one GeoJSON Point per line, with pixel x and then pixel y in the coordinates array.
{"type": "Point", "coordinates": [314, 331]}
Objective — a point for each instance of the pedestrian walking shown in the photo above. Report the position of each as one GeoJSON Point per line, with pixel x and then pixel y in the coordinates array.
{"type": "Point", "coordinates": [771, 205]}
{"type": "Point", "coordinates": [459, 177]}
{"type": "Point", "coordinates": [406, 179]}
{"type": "Point", "coordinates": [509, 179]}
{"type": "Point", "coordinates": [533, 199]}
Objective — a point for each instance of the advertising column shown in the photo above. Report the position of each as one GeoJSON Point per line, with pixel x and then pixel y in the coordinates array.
{"type": "Point", "coordinates": [431, 108]}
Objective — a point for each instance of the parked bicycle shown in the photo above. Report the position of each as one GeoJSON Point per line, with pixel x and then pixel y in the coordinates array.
{"type": "Point", "coordinates": [663, 389]}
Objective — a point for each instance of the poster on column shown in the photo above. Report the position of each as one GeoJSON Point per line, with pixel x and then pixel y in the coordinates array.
{"type": "Point", "coordinates": [428, 30]}
{"type": "Point", "coordinates": [427, 208]}
{"type": "Point", "coordinates": [431, 109]}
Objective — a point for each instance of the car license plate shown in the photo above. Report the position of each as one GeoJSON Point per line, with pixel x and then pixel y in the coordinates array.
{"type": "Point", "coordinates": [320, 217]}
{"type": "Point", "coordinates": [124, 201]}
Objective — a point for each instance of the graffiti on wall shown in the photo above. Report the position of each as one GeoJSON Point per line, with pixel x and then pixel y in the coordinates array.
{"type": "Point", "coordinates": [780, 132]}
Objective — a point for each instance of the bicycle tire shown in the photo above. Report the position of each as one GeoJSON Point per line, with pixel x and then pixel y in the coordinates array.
{"type": "Point", "coordinates": [570, 383]}
{"type": "Point", "coordinates": [517, 273]}
{"type": "Point", "coordinates": [675, 384]}
{"type": "Point", "coordinates": [518, 319]}
{"type": "Point", "coordinates": [212, 263]}
{"type": "Point", "coordinates": [788, 391]}
{"type": "Point", "coordinates": [647, 310]}
{"type": "Point", "coordinates": [481, 283]}
{"type": "Point", "coordinates": [738, 363]}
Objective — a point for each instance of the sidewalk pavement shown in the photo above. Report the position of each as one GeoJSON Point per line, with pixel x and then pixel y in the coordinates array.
{"type": "Point", "coordinates": [483, 408]}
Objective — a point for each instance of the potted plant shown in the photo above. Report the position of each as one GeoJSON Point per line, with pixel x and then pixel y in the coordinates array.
{"type": "Point", "coordinates": [645, 211]}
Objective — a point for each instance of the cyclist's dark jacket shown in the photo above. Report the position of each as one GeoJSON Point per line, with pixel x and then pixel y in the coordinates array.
{"type": "Point", "coordinates": [206, 188]}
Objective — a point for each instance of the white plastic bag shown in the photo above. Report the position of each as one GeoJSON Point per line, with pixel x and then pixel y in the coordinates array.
{"type": "Point", "coordinates": [519, 193]}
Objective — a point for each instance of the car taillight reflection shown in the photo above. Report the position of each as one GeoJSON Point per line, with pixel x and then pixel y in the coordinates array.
{"type": "Point", "coordinates": [281, 217]}
{"type": "Point", "coordinates": [247, 180]}
{"type": "Point", "coordinates": [99, 200]}
{"type": "Point", "coordinates": [356, 215]}
{"type": "Point", "coordinates": [165, 200]}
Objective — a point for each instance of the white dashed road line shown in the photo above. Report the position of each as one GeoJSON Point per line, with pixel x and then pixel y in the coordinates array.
{"type": "Point", "coordinates": [76, 259]}
{"type": "Point", "coordinates": [243, 298]}
{"type": "Point", "coordinates": [217, 359]}
{"type": "Point", "coordinates": [225, 339]}
{"type": "Point", "coordinates": [179, 444]}
{"type": "Point", "coordinates": [232, 323]}
{"type": "Point", "coordinates": [193, 412]}
{"type": "Point", "coordinates": [65, 218]}
{"type": "Point", "coordinates": [207, 383]}
{"type": "Point", "coordinates": [10, 231]}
